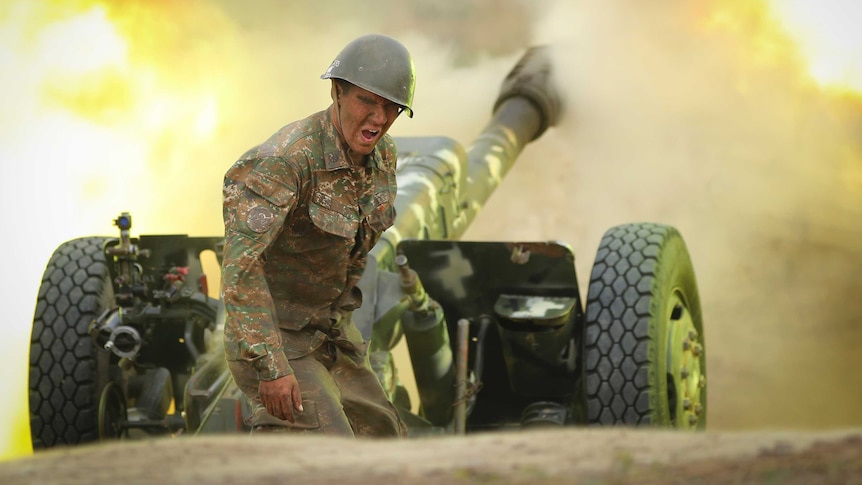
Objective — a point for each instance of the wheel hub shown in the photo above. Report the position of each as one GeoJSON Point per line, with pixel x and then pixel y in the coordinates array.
{"type": "Point", "coordinates": [686, 380]}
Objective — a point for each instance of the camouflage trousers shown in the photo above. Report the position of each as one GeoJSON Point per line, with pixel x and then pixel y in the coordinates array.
{"type": "Point", "coordinates": [341, 394]}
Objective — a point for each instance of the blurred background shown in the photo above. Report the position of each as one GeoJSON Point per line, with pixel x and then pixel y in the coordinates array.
{"type": "Point", "coordinates": [738, 121]}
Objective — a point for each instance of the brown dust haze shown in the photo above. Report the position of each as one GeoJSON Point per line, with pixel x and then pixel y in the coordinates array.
{"type": "Point", "coordinates": [699, 115]}
{"type": "Point", "coordinates": [673, 116]}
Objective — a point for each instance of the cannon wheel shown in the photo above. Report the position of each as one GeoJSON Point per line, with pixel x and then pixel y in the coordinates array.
{"type": "Point", "coordinates": [67, 372]}
{"type": "Point", "coordinates": [644, 356]}
{"type": "Point", "coordinates": [113, 413]}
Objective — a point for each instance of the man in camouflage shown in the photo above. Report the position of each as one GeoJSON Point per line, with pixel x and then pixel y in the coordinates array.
{"type": "Point", "coordinates": [302, 211]}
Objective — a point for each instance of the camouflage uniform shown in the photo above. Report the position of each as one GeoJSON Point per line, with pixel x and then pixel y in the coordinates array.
{"type": "Point", "coordinates": [299, 222]}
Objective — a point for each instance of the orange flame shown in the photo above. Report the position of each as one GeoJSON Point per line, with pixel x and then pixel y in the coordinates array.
{"type": "Point", "coordinates": [829, 36]}
{"type": "Point", "coordinates": [116, 98]}
{"type": "Point", "coordinates": [108, 106]}
{"type": "Point", "coordinates": [822, 37]}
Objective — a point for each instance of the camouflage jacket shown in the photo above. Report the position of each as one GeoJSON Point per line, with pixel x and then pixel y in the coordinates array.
{"type": "Point", "coordinates": [299, 222]}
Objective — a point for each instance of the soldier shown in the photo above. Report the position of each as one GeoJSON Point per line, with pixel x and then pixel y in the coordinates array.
{"type": "Point", "coordinates": [301, 212]}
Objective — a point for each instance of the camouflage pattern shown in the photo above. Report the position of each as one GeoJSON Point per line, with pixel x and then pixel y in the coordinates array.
{"type": "Point", "coordinates": [341, 395]}
{"type": "Point", "coordinates": [299, 222]}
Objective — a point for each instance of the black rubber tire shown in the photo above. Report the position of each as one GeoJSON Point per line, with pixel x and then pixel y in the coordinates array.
{"type": "Point", "coordinates": [113, 413]}
{"type": "Point", "coordinates": [644, 356]}
{"type": "Point", "coordinates": [67, 372]}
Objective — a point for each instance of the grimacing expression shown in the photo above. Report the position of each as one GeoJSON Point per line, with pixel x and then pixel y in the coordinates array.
{"type": "Point", "coordinates": [365, 117]}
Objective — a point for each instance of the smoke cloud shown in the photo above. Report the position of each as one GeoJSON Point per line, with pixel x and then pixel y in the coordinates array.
{"type": "Point", "coordinates": [702, 115]}
{"type": "Point", "coordinates": [696, 114]}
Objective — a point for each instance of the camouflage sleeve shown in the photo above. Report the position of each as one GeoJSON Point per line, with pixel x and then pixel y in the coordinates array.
{"type": "Point", "coordinates": [257, 201]}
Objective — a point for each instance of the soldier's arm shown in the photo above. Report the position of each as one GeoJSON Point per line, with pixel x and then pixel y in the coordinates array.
{"type": "Point", "coordinates": [256, 204]}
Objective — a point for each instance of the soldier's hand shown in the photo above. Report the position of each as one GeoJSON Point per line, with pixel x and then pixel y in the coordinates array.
{"type": "Point", "coordinates": [281, 396]}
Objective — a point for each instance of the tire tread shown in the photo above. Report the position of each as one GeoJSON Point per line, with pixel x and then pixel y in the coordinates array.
{"type": "Point", "coordinates": [617, 333]}
{"type": "Point", "coordinates": [63, 361]}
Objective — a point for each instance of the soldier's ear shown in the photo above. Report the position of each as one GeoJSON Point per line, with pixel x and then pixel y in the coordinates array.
{"type": "Point", "coordinates": [336, 91]}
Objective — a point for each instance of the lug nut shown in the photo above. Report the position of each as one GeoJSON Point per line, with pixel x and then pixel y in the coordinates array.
{"type": "Point", "coordinates": [686, 345]}
{"type": "Point", "coordinates": [686, 404]}
{"type": "Point", "coordinates": [698, 409]}
{"type": "Point", "coordinates": [683, 373]}
{"type": "Point", "coordinates": [692, 420]}
{"type": "Point", "coordinates": [697, 350]}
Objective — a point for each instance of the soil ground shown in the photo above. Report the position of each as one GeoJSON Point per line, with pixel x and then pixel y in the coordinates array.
{"type": "Point", "coordinates": [594, 456]}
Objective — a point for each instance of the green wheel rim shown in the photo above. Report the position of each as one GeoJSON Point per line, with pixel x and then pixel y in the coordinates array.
{"type": "Point", "coordinates": [685, 377]}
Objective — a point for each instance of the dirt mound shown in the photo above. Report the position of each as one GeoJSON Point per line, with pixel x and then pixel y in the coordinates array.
{"type": "Point", "coordinates": [552, 456]}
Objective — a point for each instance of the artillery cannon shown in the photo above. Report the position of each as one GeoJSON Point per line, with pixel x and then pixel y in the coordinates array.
{"type": "Point", "coordinates": [126, 341]}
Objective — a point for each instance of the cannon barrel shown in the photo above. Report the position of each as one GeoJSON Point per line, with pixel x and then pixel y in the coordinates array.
{"type": "Point", "coordinates": [442, 186]}
{"type": "Point", "coordinates": [527, 105]}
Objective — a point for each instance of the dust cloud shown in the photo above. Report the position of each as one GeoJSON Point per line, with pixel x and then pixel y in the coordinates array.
{"type": "Point", "coordinates": [676, 116]}
{"type": "Point", "coordinates": [696, 114]}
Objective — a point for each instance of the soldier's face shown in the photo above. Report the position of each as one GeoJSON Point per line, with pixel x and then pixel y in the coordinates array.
{"type": "Point", "coordinates": [365, 118]}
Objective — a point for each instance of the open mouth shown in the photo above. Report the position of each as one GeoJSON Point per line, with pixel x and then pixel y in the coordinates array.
{"type": "Point", "coordinates": [369, 135]}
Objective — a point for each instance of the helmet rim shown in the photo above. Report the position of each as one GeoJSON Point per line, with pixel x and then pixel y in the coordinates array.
{"type": "Point", "coordinates": [379, 64]}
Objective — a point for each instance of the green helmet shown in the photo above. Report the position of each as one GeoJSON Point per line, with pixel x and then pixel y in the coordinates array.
{"type": "Point", "coordinates": [379, 64]}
